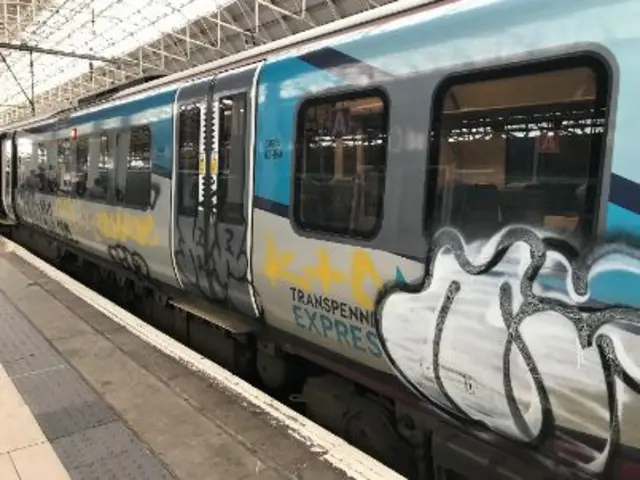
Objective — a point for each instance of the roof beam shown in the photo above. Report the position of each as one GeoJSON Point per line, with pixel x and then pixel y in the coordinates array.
{"type": "Point", "coordinates": [29, 99]}
{"type": "Point", "coordinates": [23, 47]}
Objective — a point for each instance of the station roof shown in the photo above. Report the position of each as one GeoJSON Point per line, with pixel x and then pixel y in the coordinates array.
{"type": "Point", "coordinates": [53, 52]}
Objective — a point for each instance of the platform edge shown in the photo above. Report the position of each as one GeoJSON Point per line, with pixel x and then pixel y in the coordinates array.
{"type": "Point", "coordinates": [336, 451]}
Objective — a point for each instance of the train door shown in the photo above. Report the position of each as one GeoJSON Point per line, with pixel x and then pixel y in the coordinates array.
{"type": "Point", "coordinates": [211, 211]}
{"type": "Point", "coordinates": [7, 164]}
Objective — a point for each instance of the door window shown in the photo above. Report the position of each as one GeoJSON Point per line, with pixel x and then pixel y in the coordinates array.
{"type": "Point", "coordinates": [232, 118]}
{"type": "Point", "coordinates": [190, 124]}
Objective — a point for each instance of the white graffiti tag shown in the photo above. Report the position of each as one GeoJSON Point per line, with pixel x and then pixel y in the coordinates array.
{"type": "Point", "coordinates": [506, 332]}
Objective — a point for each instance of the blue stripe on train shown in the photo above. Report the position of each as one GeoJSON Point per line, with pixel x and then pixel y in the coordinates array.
{"type": "Point", "coordinates": [127, 109]}
{"type": "Point", "coordinates": [283, 84]}
{"type": "Point", "coordinates": [624, 206]}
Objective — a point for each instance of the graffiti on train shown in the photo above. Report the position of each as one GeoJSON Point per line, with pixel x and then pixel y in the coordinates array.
{"type": "Point", "coordinates": [41, 212]}
{"type": "Point", "coordinates": [129, 260]}
{"type": "Point", "coordinates": [211, 255]}
{"type": "Point", "coordinates": [74, 218]}
{"type": "Point", "coordinates": [313, 281]}
{"type": "Point", "coordinates": [113, 225]}
{"type": "Point", "coordinates": [123, 227]}
{"type": "Point", "coordinates": [511, 332]}
{"type": "Point", "coordinates": [361, 275]}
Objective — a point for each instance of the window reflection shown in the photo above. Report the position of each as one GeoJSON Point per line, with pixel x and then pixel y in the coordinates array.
{"type": "Point", "coordinates": [189, 148]}
{"type": "Point", "coordinates": [521, 149]}
{"type": "Point", "coordinates": [340, 165]}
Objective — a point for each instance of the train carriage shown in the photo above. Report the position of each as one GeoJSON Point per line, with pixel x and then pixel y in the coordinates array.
{"type": "Point", "coordinates": [440, 207]}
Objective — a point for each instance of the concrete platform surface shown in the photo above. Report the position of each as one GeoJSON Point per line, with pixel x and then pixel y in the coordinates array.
{"type": "Point", "coordinates": [83, 397]}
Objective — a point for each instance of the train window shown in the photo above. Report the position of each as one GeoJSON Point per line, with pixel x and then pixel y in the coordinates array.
{"type": "Point", "coordinates": [65, 168]}
{"type": "Point", "coordinates": [137, 191]}
{"type": "Point", "coordinates": [82, 154]}
{"type": "Point", "coordinates": [27, 173]}
{"type": "Point", "coordinates": [40, 153]}
{"type": "Point", "coordinates": [340, 164]}
{"type": "Point", "coordinates": [7, 151]}
{"type": "Point", "coordinates": [49, 169]}
{"type": "Point", "coordinates": [189, 147]}
{"type": "Point", "coordinates": [42, 164]}
{"type": "Point", "coordinates": [519, 148]}
{"type": "Point", "coordinates": [82, 164]}
{"type": "Point", "coordinates": [231, 162]}
{"type": "Point", "coordinates": [101, 184]}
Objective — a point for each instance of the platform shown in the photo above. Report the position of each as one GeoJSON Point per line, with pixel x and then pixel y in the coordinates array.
{"type": "Point", "coordinates": [82, 396]}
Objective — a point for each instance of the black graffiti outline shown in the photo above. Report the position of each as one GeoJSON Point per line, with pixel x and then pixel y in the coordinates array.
{"type": "Point", "coordinates": [40, 212]}
{"type": "Point", "coordinates": [588, 322]}
{"type": "Point", "coordinates": [209, 262]}
{"type": "Point", "coordinates": [212, 258]}
{"type": "Point", "coordinates": [129, 260]}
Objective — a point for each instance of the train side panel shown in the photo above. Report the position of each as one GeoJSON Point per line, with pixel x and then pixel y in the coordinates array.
{"type": "Point", "coordinates": [508, 318]}
{"type": "Point", "coordinates": [322, 286]}
{"type": "Point", "coordinates": [129, 225]}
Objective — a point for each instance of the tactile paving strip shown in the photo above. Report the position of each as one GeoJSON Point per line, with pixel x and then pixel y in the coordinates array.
{"type": "Point", "coordinates": [62, 402]}
{"type": "Point", "coordinates": [22, 348]}
{"type": "Point", "coordinates": [90, 440]}
{"type": "Point", "coordinates": [108, 451]}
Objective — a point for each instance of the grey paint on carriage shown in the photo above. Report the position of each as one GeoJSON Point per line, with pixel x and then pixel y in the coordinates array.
{"type": "Point", "coordinates": [405, 166]}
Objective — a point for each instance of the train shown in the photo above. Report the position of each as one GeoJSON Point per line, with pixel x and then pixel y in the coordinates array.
{"type": "Point", "coordinates": [426, 217]}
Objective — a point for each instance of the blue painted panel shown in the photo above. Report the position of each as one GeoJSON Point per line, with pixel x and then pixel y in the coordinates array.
{"type": "Point", "coordinates": [618, 280]}
{"type": "Point", "coordinates": [162, 146]}
{"type": "Point", "coordinates": [282, 84]}
{"type": "Point", "coordinates": [618, 283]}
{"type": "Point", "coordinates": [621, 220]}
{"type": "Point", "coordinates": [479, 19]}
{"type": "Point", "coordinates": [618, 287]}
{"type": "Point", "coordinates": [126, 109]}
{"type": "Point", "coordinates": [471, 30]}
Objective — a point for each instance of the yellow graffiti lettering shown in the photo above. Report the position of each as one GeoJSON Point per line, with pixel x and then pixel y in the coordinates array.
{"type": "Point", "coordinates": [324, 272]}
{"type": "Point", "coordinates": [67, 210]}
{"type": "Point", "coordinates": [118, 226]}
{"type": "Point", "coordinates": [362, 276]}
{"type": "Point", "coordinates": [277, 267]}
{"type": "Point", "coordinates": [363, 269]}
{"type": "Point", "coordinates": [123, 227]}
{"type": "Point", "coordinates": [70, 212]}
